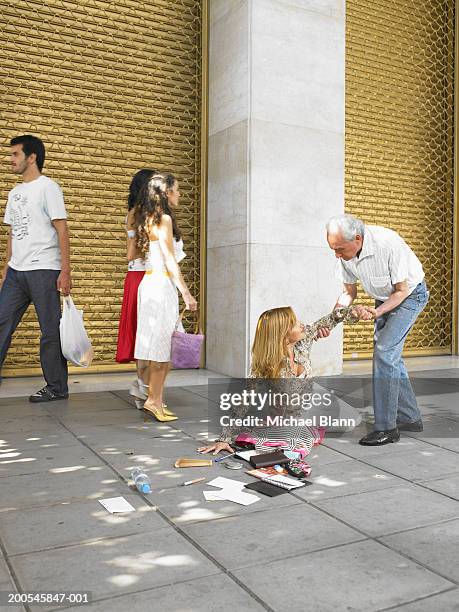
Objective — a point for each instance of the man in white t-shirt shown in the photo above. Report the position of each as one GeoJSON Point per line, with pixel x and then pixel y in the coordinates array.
{"type": "Point", "coordinates": [37, 262]}
{"type": "Point", "coordinates": [390, 272]}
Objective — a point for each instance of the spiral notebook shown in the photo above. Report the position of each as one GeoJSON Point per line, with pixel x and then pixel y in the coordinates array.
{"type": "Point", "coordinates": [279, 480]}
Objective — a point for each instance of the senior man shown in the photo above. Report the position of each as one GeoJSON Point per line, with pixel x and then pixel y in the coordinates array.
{"type": "Point", "coordinates": [389, 272]}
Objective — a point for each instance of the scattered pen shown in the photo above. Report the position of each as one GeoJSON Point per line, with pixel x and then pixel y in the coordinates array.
{"type": "Point", "coordinates": [188, 482]}
{"type": "Point", "coordinates": [225, 457]}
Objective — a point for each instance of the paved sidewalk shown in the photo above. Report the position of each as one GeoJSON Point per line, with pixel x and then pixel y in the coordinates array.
{"type": "Point", "coordinates": [377, 531]}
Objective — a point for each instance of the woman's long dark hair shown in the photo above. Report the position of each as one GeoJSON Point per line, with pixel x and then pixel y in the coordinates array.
{"type": "Point", "coordinates": [138, 181]}
{"type": "Point", "coordinates": [152, 204]}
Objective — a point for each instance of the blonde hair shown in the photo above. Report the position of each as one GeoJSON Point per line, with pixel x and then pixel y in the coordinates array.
{"type": "Point", "coordinates": [269, 349]}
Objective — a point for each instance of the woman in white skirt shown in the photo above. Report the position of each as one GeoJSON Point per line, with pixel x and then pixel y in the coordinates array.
{"type": "Point", "coordinates": [158, 240]}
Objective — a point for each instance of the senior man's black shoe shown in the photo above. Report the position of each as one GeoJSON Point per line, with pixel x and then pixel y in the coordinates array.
{"type": "Point", "coordinates": [46, 395]}
{"type": "Point", "coordinates": [378, 438]}
{"type": "Point", "coordinates": [411, 426]}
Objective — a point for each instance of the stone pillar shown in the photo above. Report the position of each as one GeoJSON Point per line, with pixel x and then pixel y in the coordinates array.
{"type": "Point", "coordinates": [276, 170]}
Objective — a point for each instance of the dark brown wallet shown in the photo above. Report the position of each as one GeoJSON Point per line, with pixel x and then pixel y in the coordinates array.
{"type": "Point", "coordinates": [268, 459]}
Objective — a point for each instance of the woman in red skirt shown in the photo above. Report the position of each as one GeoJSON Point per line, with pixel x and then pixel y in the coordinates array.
{"type": "Point", "coordinates": [136, 270]}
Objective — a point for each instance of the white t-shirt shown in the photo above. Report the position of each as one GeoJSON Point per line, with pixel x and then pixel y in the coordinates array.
{"type": "Point", "coordinates": [385, 259]}
{"type": "Point", "coordinates": [30, 209]}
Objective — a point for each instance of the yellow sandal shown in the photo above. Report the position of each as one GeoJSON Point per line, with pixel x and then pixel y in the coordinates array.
{"type": "Point", "coordinates": [159, 415]}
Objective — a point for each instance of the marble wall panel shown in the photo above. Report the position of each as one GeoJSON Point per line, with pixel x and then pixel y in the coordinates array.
{"type": "Point", "coordinates": [227, 186]}
{"type": "Point", "coordinates": [220, 8]}
{"type": "Point", "coordinates": [227, 308]}
{"type": "Point", "coordinates": [297, 183]}
{"type": "Point", "coordinates": [297, 66]}
{"type": "Point", "coordinates": [229, 68]}
{"type": "Point", "coordinates": [333, 8]}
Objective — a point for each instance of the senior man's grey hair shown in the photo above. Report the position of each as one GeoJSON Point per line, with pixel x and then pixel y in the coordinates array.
{"type": "Point", "coordinates": [347, 225]}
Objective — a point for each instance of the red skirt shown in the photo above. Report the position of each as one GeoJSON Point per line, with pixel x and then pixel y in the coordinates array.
{"type": "Point", "coordinates": [128, 321]}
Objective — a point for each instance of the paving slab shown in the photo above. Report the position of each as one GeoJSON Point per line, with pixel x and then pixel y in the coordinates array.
{"type": "Point", "coordinates": [36, 460]}
{"type": "Point", "coordinates": [200, 428]}
{"type": "Point", "coordinates": [447, 373]}
{"type": "Point", "coordinates": [127, 416]}
{"type": "Point", "coordinates": [58, 486]}
{"type": "Point", "coordinates": [201, 390]}
{"type": "Point", "coordinates": [174, 447]}
{"type": "Point", "coordinates": [179, 397]}
{"type": "Point", "coordinates": [446, 443]}
{"type": "Point", "coordinates": [113, 567]}
{"type": "Point", "coordinates": [362, 577]}
{"type": "Point", "coordinates": [345, 478]}
{"type": "Point", "coordinates": [435, 385]}
{"type": "Point", "coordinates": [440, 403]}
{"type": "Point", "coordinates": [71, 410]}
{"type": "Point", "coordinates": [444, 602]}
{"type": "Point", "coordinates": [242, 541]}
{"type": "Point", "coordinates": [324, 455]}
{"type": "Point", "coordinates": [437, 426]}
{"type": "Point", "coordinates": [448, 486]}
{"type": "Point", "coordinates": [104, 435]}
{"type": "Point", "coordinates": [148, 434]}
{"type": "Point", "coordinates": [418, 465]}
{"type": "Point", "coordinates": [185, 505]}
{"type": "Point", "coordinates": [6, 581]}
{"type": "Point", "coordinates": [211, 594]}
{"type": "Point", "coordinates": [443, 409]}
{"type": "Point", "coordinates": [434, 546]}
{"type": "Point", "coordinates": [25, 441]}
{"type": "Point", "coordinates": [88, 402]}
{"type": "Point", "coordinates": [348, 444]}
{"type": "Point", "coordinates": [7, 403]}
{"type": "Point", "coordinates": [74, 522]}
{"type": "Point", "coordinates": [21, 410]}
{"type": "Point", "coordinates": [161, 471]}
{"type": "Point", "coordinates": [391, 510]}
{"type": "Point", "coordinates": [183, 403]}
{"type": "Point", "coordinates": [38, 424]}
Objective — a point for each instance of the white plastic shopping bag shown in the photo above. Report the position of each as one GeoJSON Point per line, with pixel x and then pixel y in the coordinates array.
{"type": "Point", "coordinates": [75, 344]}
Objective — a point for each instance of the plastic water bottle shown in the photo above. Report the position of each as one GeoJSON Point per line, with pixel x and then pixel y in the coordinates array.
{"type": "Point", "coordinates": [141, 480]}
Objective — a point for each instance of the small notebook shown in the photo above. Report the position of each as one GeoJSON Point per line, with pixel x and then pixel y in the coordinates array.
{"type": "Point", "coordinates": [268, 459]}
{"type": "Point", "coordinates": [284, 482]}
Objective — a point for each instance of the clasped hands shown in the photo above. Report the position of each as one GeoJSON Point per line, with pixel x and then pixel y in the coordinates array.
{"type": "Point", "coordinates": [363, 313]}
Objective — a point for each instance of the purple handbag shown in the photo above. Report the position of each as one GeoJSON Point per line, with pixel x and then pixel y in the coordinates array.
{"type": "Point", "coordinates": [186, 349]}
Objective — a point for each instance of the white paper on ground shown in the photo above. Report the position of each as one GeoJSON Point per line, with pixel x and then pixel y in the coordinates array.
{"type": "Point", "coordinates": [226, 483]}
{"type": "Point", "coordinates": [231, 490]}
{"type": "Point", "coordinates": [211, 495]}
{"type": "Point", "coordinates": [116, 504]}
{"type": "Point", "coordinates": [239, 497]}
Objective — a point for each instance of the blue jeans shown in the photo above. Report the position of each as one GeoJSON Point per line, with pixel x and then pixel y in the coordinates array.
{"type": "Point", "coordinates": [38, 287]}
{"type": "Point", "coordinates": [393, 396]}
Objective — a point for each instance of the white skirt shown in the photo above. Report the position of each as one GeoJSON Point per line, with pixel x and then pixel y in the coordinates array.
{"type": "Point", "coordinates": [157, 316]}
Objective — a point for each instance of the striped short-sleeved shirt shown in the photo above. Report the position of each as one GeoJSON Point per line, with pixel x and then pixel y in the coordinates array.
{"type": "Point", "coordinates": [385, 259]}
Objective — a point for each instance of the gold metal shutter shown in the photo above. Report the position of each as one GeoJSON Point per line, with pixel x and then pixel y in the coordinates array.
{"type": "Point", "coordinates": [110, 87]}
{"type": "Point", "coordinates": [399, 145]}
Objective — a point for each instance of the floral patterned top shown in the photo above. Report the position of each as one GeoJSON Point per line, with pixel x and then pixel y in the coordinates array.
{"type": "Point", "coordinates": [301, 384]}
